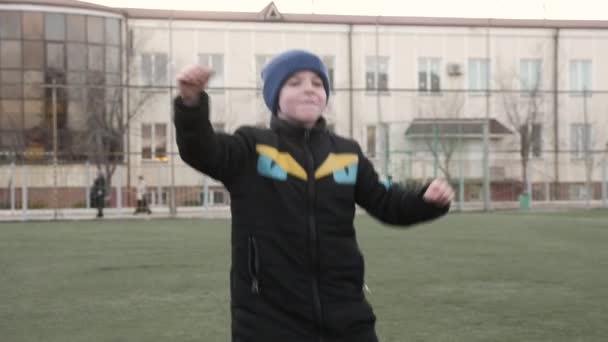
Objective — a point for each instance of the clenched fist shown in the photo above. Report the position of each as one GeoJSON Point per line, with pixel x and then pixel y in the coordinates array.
{"type": "Point", "coordinates": [191, 81]}
{"type": "Point", "coordinates": [439, 193]}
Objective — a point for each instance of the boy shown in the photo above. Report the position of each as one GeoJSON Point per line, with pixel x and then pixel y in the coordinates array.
{"type": "Point", "coordinates": [297, 272]}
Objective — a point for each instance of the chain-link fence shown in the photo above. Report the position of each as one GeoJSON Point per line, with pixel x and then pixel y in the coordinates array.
{"type": "Point", "coordinates": [85, 94]}
{"type": "Point", "coordinates": [51, 175]}
{"type": "Point", "coordinates": [67, 189]}
{"type": "Point", "coordinates": [64, 190]}
{"type": "Point", "coordinates": [506, 190]}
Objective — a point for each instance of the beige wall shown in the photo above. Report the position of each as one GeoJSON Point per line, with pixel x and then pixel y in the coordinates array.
{"type": "Point", "coordinates": [240, 42]}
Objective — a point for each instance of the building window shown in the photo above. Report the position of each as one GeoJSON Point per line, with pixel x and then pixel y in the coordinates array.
{"type": "Point", "coordinates": [376, 73]}
{"type": "Point", "coordinates": [10, 25]}
{"type": "Point", "coordinates": [96, 58]}
{"type": "Point", "coordinates": [479, 74]}
{"type": "Point", "coordinates": [77, 59]}
{"type": "Point", "coordinates": [95, 30]}
{"type": "Point", "coordinates": [10, 54]}
{"type": "Point", "coordinates": [154, 141]}
{"type": "Point", "coordinates": [530, 71]}
{"type": "Point", "coordinates": [154, 68]}
{"type": "Point", "coordinates": [112, 31]}
{"type": "Point", "coordinates": [33, 55]}
{"type": "Point", "coordinates": [216, 63]}
{"type": "Point", "coordinates": [160, 141]}
{"type": "Point", "coordinates": [370, 139]}
{"type": "Point", "coordinates": [31, 89]}
{"type": "Point", "coordinates": [580, 76]}
{"type": "Point", "coordinates": [146, 141]}
{"type": "Point", "coordinates": [580, 139]}
{"type": "Point", "coordinates": [33, 25]}
{"type": "Point", "coordinates": [55, 56]}
{"type": "Point", "coordinates": [537, 140]}
{"type": "Point", "coordinates": [158, 195]}
{"type": "Point", "coordinates": [54, 26]}
{"type": "Point", "coordinates": [112, 59]}
{"type": "Point", "coordinates": [219, 197]}
{"type": "Point", "coordinates": [578, 192]}
{"type": "Point", "coordinates": [429, 79]}
{"type": "Point", "coordinates": [330, 64]}
{"type": "Point", "coordinates": [260, 62]}
{"type": "Point", "coordinates": [76, 28]}
{"type": "Point", "coordinates": [10, 85]}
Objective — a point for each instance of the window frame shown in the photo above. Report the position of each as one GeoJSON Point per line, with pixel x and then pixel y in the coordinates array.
{"type": "Point", "coordinates": [378, 67]}
{"type": "Point", "coordinates": [217, 80]}
{"type": "Point", "coordinates": [153, 143]}
{"type": "Point", "coordinates": [477, 83]}
{"type": "Point", "coordinates": [428, 65]}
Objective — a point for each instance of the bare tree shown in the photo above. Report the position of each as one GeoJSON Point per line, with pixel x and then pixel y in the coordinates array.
{"type": "Point", "coordinates": [589, 141]}
{"type": "Point", "coordinates": [443, 140]}
{"type": "Point", "coordinates": [12, 140]}
{"type": "Point", "coordinates": [522, 109]}
{"type": "Point", "coordinates": [108, 121]}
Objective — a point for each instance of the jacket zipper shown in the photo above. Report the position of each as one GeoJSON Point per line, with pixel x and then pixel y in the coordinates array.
{"type": "Point", "coordinates": [312, 228]}
{"type": "Point", "coordinates": [254, 265]}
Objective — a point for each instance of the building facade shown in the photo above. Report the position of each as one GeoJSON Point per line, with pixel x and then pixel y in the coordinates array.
{"type": "Point", "coordinates": [519, 101]}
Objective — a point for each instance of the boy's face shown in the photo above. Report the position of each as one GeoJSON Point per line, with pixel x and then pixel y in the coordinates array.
{"type": "Point", "coordinates": [302, 98]}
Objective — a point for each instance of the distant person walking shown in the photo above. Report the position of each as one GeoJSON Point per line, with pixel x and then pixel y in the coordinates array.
{"type": "Point", "coordinates": [98, 194]}
{"type": "Point", "coordinates": [142, 201]}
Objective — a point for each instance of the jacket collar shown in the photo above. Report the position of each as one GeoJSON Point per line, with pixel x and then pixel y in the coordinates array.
{"type": "Point", "coordinates": [282, 126]}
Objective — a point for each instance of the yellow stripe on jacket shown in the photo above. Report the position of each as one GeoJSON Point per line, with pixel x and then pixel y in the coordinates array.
{"type": "Point", "coordinates": [284, 160]}
{"type": "Point", "coordinates": [335, 161]}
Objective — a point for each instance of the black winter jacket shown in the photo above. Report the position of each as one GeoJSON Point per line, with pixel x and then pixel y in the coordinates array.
{"type": "Point", "coordinates": [297, 271]}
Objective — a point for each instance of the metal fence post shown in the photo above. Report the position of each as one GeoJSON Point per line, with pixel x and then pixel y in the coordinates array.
{"type": "Point", "coordinates": [88, 186]}
{"type": "Point", "coordinates": [172, 199]}
{"type": "Point", "coordinates": [605, 183]}
{"type": "Point", "coordinates": [529, 182]}
{"type": "Point", "coordinates": [12, 189]}
{"type": "Point", "coordinates": [118, 185]}
{"type": "Point", "coordinates": [205, 192]}
{"type": "Point", "coordinates": [24, 180]}
{"type": "Point", "coordinates": [159, 190]}
{"type": "Point", "coordinates": [486, 166]}
{"type": "Point", "coordinates": [435, 151]}
{"type": "Point", "coordinates": [460, 183]}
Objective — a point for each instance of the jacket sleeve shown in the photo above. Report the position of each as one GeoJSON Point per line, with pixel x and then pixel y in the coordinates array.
{"type": "Point", "coordinates": [218, 155]}
{"type": "Point", "coordinates": [392, 204]}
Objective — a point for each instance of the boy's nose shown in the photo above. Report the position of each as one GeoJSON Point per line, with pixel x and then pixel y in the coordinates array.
{"type": "Point", "coordinates": [308, 86]}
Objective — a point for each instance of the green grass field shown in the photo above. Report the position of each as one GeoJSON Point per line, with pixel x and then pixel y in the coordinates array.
{"type": "Point", "coordinates": [468, 277]}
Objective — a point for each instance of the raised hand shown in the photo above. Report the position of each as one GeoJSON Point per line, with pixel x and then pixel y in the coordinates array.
{"type": "Point", "coordinates": [191, 81]}
{"type": "Point", "coordinates": [439, 193]}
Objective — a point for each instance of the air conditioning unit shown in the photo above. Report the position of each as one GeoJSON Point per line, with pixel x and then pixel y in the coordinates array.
{"type": "Point", "coordinates": [454, 69]}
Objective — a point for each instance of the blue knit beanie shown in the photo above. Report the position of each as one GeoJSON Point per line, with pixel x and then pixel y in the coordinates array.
{"type": "Point", "coordinates": [282, 66]}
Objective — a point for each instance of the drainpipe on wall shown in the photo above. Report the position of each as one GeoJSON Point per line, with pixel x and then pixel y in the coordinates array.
{"type": "Point", "coordinates": [556, 110]}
